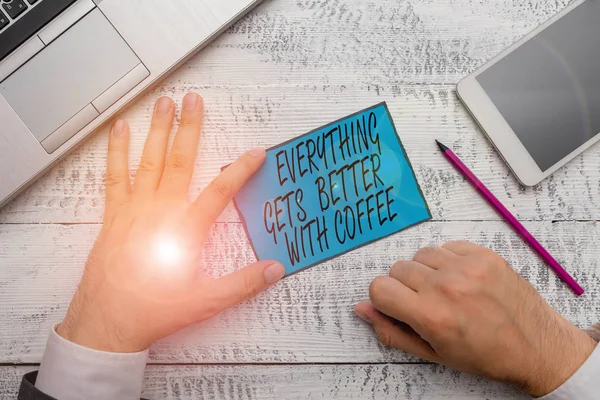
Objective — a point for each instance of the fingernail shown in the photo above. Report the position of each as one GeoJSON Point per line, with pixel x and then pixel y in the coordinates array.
{"type": "Point", "coordinates": [257, 152]}
{"type": "Point", "coordinates": [190, 101]}
{"type": "Point", "coordinates": [164, 106]}
{"type": "Point", "coordinates": [118, 128]}
{"type": "Point", "coordinates": [274, 273]}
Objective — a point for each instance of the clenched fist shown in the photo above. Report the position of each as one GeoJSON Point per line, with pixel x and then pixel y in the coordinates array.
{"type": "Point", "coordinates": [463, 306]}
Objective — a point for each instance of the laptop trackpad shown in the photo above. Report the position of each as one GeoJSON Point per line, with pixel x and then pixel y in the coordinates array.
{"type": "Point", "coordinates": [68, 75]}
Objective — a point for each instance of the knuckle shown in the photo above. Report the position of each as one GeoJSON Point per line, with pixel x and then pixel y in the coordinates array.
{"type": "Point", "coordinates": [148, 165]}
{"type": "Point", "coordinates": [398, 268]}
{"type": "Point", "coordinates": [221, 189]}
{"type": "Point", "coordinates": [384, 336]}
{"type": "Point", "coordinates": [250, 288]}
{"type": "Point", "coordinates": [376, 287]}
{"type": "Point", "coordinates": [113, 180]}
{"type": "Point", "coordinates": [447, 288]}
{"type": "Point", "coordinates": [177, 161]}
{"type": "Point", "coordinates": [475, 273]}
{"type": "Point", "coordinates": [454, 244]}
{"type": "Point", "coordinates": [190, 121]}
{"type": "Point", "coordinates": [462, 247]}
{"type": "Point", "coordinates": [482, 270]}
{"type": "Point", "coordinates": [455, 288]}
{"type": "Point", "coordinates": [420, 254]}
{"type": "Point", "coordinates": [426, 252]}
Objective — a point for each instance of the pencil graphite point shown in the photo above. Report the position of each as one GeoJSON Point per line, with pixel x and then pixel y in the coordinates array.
{"type": "Point", "coordinates": [441, 146]}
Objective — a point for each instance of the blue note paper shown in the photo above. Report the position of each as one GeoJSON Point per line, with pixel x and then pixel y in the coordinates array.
{"type": "Point", "coordinates": [334, 189]}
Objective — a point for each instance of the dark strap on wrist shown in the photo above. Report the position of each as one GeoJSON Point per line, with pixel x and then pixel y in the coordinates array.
{"type": "Point", "coordinates": [28, 391]}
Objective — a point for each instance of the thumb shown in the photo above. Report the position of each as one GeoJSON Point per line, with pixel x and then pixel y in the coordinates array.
{"type": "Point", "coordinates": [246, 283]}
{"type": "Point", "coordinates": [394, 333]}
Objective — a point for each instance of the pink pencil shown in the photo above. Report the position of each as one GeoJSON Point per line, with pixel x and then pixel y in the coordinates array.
{"type": "Point", "coordinates": [516, 225]}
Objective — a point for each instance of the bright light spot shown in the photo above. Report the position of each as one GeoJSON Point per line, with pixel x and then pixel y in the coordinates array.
{"type": "Point", "coordinates": [168, 250]}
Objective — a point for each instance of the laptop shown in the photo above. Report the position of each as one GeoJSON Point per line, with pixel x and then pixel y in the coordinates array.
{"type": "Point", "coordinates": [66, 66]}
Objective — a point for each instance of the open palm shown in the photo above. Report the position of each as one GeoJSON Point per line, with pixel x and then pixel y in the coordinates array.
{"type": "Point", "coordinates": [143, 280]}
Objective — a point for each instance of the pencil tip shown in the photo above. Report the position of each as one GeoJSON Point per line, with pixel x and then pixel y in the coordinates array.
{"type": "Point", "coordinates": [441, 146]}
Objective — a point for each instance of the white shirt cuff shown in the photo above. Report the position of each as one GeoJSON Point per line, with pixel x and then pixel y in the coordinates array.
{"type": "Point", "coordinates": [583, 385]}
{"type": "Point", "coordinates": [70, 371]}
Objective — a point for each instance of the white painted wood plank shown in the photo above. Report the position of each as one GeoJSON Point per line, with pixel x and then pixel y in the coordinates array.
{"type": "Point", "coordinates": [285, 69]}
{"type": "Point", "coordinates": [306, 318]}
{"type": "Point", "coordinates": [290, 382]}
{"type": "Point", "coordinates": [238, 119]}
{"type": "Point", "coordinates": [307, 63]}
{"type": "Point", "coordinates": [353, 42]}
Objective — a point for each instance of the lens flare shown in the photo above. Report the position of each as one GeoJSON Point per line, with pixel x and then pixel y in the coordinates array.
{"type": "Point", "coordinates": [168, 250]}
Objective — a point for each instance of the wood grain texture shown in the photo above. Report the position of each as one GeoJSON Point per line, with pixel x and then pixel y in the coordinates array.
{"type": "Point", "coordinates": [288, 67]}
{"type": "Point", "coordinates": [306, 318]}
{"type": "Point", "coordinates": [306, 63]}
{"type": "Point", "coordinates": [285, 382]}
{"type": "Point", "coordinates": [238, 119]}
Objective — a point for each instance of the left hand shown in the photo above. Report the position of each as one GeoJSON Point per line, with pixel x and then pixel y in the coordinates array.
{"type": "Point", "coordinates": [463, 306]}
{"type": "Point", "coordinates": [143, 280]}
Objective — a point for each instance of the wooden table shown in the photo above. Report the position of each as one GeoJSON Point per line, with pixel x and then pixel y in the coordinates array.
{"type": "Point", "coordinates": [288, 67]}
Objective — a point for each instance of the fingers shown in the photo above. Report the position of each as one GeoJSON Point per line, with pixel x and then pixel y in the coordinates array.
{"type": "Point", "coordinates": [411, 273]}
{"type": "Point", "coordinates": [462, 247]}
{"type": "Point", "coordinates": [118, 188]}
{"type": "Point", "coordinates": [180, 163]}
{"type": "Point", "coordinates": [397, 335]}
{"type": "Point", "coordinates": [153, 158]}
{"type": "Point", "coordinates": [435, 257]}
{"type": "Point", "coordinates": [241, 285]}
{"type": "Point", "coordinates": [213, 200]}
{"type": "Point", "coordinates": [394, 299]}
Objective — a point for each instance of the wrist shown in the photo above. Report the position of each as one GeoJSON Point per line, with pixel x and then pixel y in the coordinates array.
{"type": "Point", "coordinates": [556, 366]}
{"type": "Point", "coordinates": [92, 338]}
{"type": "Point", "coordinates": [87, 328]}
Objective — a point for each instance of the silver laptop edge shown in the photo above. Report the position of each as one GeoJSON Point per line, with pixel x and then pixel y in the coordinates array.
{"type": "Point", "coordinates": [161, 36]}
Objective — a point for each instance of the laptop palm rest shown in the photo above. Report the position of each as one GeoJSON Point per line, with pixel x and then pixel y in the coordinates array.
{"type": "Point", "coordinates": [73, 80]}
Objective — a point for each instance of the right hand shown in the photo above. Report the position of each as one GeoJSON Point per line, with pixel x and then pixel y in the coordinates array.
{"type": "Point", "coordinates": [463, 306]}
{"type": "Point", "coordinates": [143, 279]}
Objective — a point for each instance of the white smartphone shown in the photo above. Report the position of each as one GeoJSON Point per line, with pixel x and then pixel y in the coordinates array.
{"type": "Point", "coordinates": [539, 101]}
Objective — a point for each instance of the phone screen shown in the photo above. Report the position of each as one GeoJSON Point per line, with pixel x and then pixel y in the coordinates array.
{"type": "Point", "coordinates": [548, 90]}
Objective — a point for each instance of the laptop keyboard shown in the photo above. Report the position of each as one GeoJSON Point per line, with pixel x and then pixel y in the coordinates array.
{"type": "Point", "coordinates": [21, 19]}
{"type": "Point", "coordinates": [15, 8]}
